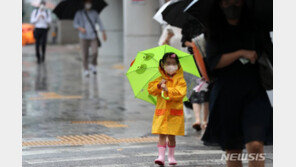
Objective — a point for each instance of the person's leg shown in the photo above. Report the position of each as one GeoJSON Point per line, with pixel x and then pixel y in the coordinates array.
{"type": "Point", "coordinates": [162, 140]}
{"type": "Point", "coordinates": [171, 140]}
{"type": "Point", "coordinates": [84, 43]}
{"type": "Point", "coordinates": [233, 158]}
{"type": "Point", "coordinates": [205, 115]}
{"type": "Point", "coordinates": [43, 42]}
{"type": "Point", "coordinates": [196, 108]}
{"type": "Point", "coordinates": [94, 48]}
{"type": "Point", "coordinates": [255, 149]}
{"type": "Point", "coordinates": [171, 146]}
{"type": "Point", "coordinates": [161, 150]}
{"type": "Point", "coordinates": [37, 44]}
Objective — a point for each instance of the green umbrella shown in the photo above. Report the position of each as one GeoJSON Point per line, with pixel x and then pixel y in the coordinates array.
{"type": "Point", "coordinates": [145, 69]}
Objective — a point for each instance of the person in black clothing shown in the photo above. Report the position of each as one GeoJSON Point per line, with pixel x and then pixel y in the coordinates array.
{"type": "Point", "coordinates": [41, 18]}
{"type": "Point", "coordinates": [240, 111]}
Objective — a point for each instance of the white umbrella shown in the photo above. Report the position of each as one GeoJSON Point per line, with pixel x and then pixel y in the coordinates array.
{"type": "Point", "coordinates": [49, 4]}
{"type": "Point", "coordinates": [158, 15]}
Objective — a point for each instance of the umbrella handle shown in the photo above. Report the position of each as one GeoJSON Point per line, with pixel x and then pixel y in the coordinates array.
{"type": "Point", "coordinates": [162, 95]}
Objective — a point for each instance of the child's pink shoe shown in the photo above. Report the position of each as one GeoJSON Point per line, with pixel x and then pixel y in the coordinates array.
{"type": "Point", "coordinates": [161, 155]}
{"type": "Point", "coordinates": [171, 156]}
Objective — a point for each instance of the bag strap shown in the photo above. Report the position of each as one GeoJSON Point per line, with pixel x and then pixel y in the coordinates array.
{"type": "Point", "coordinates": [36, 12]}
{"type": "Point", "coordinates": [91, 24]}
{"type": "Point", "coordinates": [46, 11]}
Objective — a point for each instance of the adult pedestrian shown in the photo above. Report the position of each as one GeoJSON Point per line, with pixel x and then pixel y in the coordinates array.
{"type": "Point", "coordinates": [240, 111]}
{"type": "Point", "coordinates": [85, 21]}
{"type": "Point", "coordinates": [41, 18]}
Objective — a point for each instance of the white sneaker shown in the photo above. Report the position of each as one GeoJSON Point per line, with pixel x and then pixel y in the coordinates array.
{"type": "Point", "coordinates": [86, 73]}
{"type": "Point", "coordinates": [93, 69]}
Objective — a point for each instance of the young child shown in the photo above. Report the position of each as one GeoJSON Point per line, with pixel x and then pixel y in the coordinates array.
{"type": "Point", "coordinates": [200, 100]}
{"type": "Point", "coordinates": [168, 119]}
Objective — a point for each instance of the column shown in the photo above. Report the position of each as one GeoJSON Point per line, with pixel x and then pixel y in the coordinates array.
{"type": "Point", "coordinates": [141, 32]}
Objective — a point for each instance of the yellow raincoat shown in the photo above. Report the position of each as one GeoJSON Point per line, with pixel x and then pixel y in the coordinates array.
{"type": "Point", "coordinates": [168, 117]}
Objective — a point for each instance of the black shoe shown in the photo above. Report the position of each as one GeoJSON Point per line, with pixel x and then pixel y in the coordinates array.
{"type": "Point", "coordinates": [196, 126]}
{"type": "Point", "coordinates": [38, 61]}
{"type": "Point", "coordinates": [42, 59]}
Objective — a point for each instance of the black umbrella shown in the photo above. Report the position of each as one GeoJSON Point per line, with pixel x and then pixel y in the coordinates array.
{"type": "Point", "coordinates": [259, 10]}
{"type": "Point", "coordinates": [174, 13]}
{"type": "Point", "coordinates": [262, 12]}
{"type": "Point", "coordinates": [66, 9]}
{"type": "Point", "coordinates": [200, 9]}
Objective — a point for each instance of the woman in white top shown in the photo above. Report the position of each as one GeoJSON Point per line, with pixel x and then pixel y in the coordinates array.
{"type": "Point", "coordinates": [172, 36]}
{"type": "Point", "coordinates": [41, 18]}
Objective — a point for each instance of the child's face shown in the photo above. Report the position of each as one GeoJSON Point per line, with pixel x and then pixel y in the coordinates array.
{"type": "Point", "coordinates": [170, 66]}
{"type": "Point", "coordinates": [170, 61]}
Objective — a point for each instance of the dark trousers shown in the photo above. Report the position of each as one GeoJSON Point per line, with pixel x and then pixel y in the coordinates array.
{"type": "Point", "coordinates": [40, 35]}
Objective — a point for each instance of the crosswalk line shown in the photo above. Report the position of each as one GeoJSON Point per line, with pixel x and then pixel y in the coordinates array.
{"type": "Point", "coordinates": [85, 149]}
{"type": "Point", "coordinates": [72, 159]}
{"type": "Point", "coordinates": [113, 156]}
{"type": "Point", "coordinates": [192, 152]}
{"type": "Point", "coordinates": [29, 152]}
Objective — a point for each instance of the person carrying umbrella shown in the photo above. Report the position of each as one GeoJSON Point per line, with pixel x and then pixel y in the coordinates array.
{"type": "Point", "coordinates": [168, 119]}
{"type": "Point", "coordinates": [240, 111]}
{"type": "Point", "coordinates": [84, 22]}
{"type": "Point", "coordinates": [41, 18]}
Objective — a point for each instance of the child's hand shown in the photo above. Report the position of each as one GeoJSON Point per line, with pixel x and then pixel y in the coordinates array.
{"type": "Point", "coordinates": [163, 81]}
{"type": "Point", "coordinates": [164, 87]}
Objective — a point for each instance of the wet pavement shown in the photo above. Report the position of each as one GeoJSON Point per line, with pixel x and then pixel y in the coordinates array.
{"type": "Point", "coordinates": [70, 120]}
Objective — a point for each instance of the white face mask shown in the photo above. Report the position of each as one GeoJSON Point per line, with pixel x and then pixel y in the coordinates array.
{"type": "Point", "coordinates": [87, 5]}
{"type": "Point", "coordinates": [170, 69]}
{"type": "Point", "coordinates": [42, 7]}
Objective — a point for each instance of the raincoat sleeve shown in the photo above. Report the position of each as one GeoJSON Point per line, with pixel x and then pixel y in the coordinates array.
{"type": "Point", "coordinates": [153, 87]}
{"type": "Point", "coordinates": [178, 92]}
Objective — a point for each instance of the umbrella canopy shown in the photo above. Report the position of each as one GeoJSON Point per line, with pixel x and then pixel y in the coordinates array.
{"type": "Point", "coordinates": [174, 14]}
{"type": "Point", "coordinates": [158, 15]}
{"type": "Point", "coordinates": [200, 62]}
{"type": "Point", "coordinates": [262, 12]}
{"type": "Point", "coordinates": [145, 69]}
{"type": "Point", "coordinates": [259, 10]}
{"type": "Point", "coordinates": [48, 4]}
{"type": "Point", "coordinates": [66, 9]}
{"type": "Point", "coordinates": [200, 9]}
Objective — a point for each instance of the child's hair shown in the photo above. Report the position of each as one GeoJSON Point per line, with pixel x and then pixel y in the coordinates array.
{"type": "Point", "coordinates": [168, 55]}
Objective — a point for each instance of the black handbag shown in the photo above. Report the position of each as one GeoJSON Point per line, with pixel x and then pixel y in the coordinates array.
{"type": "Point", "coordinates": [265, 54]}
{"type": "Point", "coordinates": [94, 29]}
